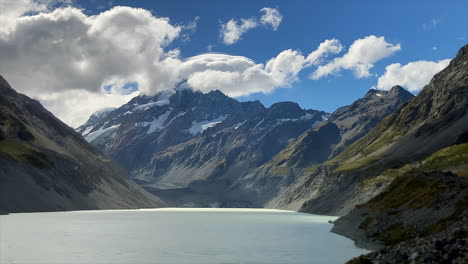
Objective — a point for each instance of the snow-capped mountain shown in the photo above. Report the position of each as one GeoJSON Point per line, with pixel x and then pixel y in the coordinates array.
{"type": "Point", "coordinates": [176, 140]}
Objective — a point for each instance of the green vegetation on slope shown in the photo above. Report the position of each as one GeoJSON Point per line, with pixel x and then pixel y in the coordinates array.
{"type": "Point", "coordinates": [17, 151]}
{"type": "Point", "coordinates": [447, 158]}
{"type": "Point", "coordinates": [412, 189]}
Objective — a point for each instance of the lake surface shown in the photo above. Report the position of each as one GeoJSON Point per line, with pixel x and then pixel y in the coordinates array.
{"type": "Point", "coordinates": [176, 236]}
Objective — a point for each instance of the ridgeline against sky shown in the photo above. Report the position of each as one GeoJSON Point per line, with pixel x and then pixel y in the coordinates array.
{"type": "Point", "coordinates": [79, 56]}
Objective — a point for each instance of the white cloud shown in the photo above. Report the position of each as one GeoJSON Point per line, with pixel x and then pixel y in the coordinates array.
{"type": "Point", "coordinates": [271, 16]}
{"type": "Point", "coordinates": [75, 106]}
{"type": "Point", "coordinates": [328, 46]}
{"type": "Point", "coordinates": [11, 10]}
{"type": "Point", "coordinates": [189, 29]}
{"type": "Point", "coordinates": [360, 58]}
{"type": "Point", "coordinates": [239, 76]}
{"type": "Point", "coordinates": [232, 31]}
{"type": "Point", "coordinates": [64, 50]}
{"type": "Point", "coordinates": [413, 76]}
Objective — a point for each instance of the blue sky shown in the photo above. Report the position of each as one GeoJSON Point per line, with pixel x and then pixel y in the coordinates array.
{"type": "Point", "coordinates": [78, 59]}
{"type": "Point", "coordinates": [418, 26]}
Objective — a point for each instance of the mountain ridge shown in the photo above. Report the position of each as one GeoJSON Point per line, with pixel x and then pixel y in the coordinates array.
{"type": "Point", "coordinates": [232, 143]}
{"type": "Point", "coordinates": [47, 166]}
{"type": "Point", "coordinates": [401, 189]}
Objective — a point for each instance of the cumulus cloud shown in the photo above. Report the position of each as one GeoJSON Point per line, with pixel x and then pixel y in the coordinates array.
{"type": "Point", "coordinates": [63, 50]}
{"type": "Point", "coordinates": [189, 29]}
{"type": "Point", "coordinates": [360, 58]}
{"type": "Point", "coordinates": [66, 48]}
{"type": "Point", "coordinates": [232, 31]}
{"type": "Point", "coordinates": [10, 10]}
{"type": "Point", "coordinates": [271, 16]}
{"type": "Point", "coordinates": [329, 46]}
{"type": "Point", "coordinates": [413, 76]}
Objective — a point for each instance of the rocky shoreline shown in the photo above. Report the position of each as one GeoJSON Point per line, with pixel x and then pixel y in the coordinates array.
{"type": "Point", "coordinates": [449, 246]}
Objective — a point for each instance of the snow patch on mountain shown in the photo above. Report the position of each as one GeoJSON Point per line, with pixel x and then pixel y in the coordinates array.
{"type": "Point", "coordinates": [108, 131]}
{"type": "Point", "coordinates": [103, 112]}
{"type": "Point", "coordinates": [157, 123]}
{"type": "Point", "coordinates": [87, 130]}
{"type": "Point", "coordinates": [304, 117]}
{"type": "Point", "coordinates": [175, 117]}
{"type": "Point", "coordinates": [316, 123]}
{"type": "Point", "coordinates": [151, 105]}
{"type": "Point", "coordinates": [236, 126]}
{"type": "Point", "coordinates": [198, 127]}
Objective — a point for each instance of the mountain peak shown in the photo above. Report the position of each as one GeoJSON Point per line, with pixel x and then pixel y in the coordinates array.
{"type": "Point", "coordinates": [462, 52]}
{"type": "Point", "coordinates": [217, 93]}
{"type": "Point", "coordinates": [397, 90]}
{"type": "Point", "coordinates": [460, 59]}
{"type": "Point", "coordinates": [286, 110]}
{"type": "Point", "coordinates": [4, 85]}
{"type": "Point", "coordinates": [103, 112]}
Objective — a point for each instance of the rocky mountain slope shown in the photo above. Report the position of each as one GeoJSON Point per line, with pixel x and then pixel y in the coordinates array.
{"type": "Point", "coordinates": [421, 217]}
{"type": "Point", "coordinates": [202, 149]}
{"type": "Point", "coordinates": [346, 125]}
{"type": "Point", "coordinates": [46, 166]}
{"type": "Point", "coordinates": [434, 119]}
{"type": "Point", "coordinates": [407, 176]}
{"type": "Point", "coordinates": [189, 146]}
{"type": "Point", "coordinates": [146, 125]}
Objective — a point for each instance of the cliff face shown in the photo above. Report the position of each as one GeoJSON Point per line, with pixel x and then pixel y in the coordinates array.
{"type": "Point", "coordinates": [189, 147]}
{"type": "Point", "coordinates": [46, 166]}
{"type": "Point", "coordinates": [435, 119]}
{"type": "Point", "coordinates": [402, 188]}
{"type": "Point", "coordinates": [343, 127]}
{"type": "Point", "coordinates": [199, 149]}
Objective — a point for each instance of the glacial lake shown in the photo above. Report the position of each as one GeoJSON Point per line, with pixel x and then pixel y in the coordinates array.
{"type": "Point", "coordinates": [178, 236]}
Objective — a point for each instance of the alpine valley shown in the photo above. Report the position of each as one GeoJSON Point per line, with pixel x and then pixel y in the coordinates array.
{"type": "Point", "coordinates": [393, 165]}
